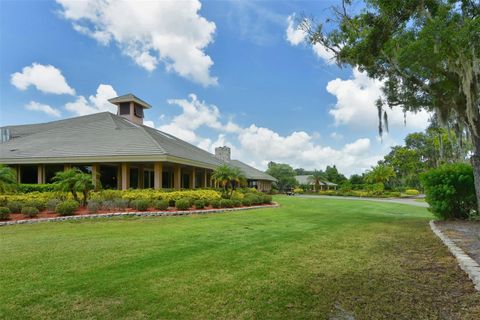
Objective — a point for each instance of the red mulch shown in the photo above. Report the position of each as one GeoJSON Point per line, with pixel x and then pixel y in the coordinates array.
{"type": "Point", "coordinates": [84, 211]}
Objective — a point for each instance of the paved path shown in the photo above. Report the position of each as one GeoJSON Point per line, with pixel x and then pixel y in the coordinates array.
{"type": "Point", "coordinates": [392, 200]}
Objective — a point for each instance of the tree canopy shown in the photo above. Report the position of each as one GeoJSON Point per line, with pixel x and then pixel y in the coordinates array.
{"type": "Point", "coordinates": [284, 174]}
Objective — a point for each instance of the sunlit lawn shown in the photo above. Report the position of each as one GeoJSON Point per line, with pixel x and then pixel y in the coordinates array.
{"type": "Point", "coordinates": [310, 258]}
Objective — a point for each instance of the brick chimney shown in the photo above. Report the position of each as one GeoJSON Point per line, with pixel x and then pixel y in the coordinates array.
{"type": "Point", "coordinates": [223, 153]}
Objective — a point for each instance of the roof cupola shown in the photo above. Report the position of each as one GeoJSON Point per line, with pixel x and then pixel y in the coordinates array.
{"type": "Point", "coordinates": [130, 107]}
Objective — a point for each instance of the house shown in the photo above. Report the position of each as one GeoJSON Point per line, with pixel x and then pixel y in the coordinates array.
{"type": "Point", "coordinates": [119, 150]}
{"type": "Point", "coordinates": [324, 185]}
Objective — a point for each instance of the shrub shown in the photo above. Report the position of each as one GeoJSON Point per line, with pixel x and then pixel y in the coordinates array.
{"type": "Point", "coordinates": [267, 199]}
{"type": "Point", "coordinates": [412, 192]}
{"type": "Point", "coordinates": [255, 199]}
{"type": "Point", "coordinates": [120, 204]}
{"type": "Point", "coordinates": [66, 208]}
{"type": "Point", "coordinates": [246, 202]}
{"type": "Point", "coordinates": [160, 204]}
{"type": "Point", "coordinates": [93, 206]}
{"type": "Point", "coordinates": [199, 204]}
{"type": "Point", "coordinates": [182, 204]}
{"type": "Point", "coordinates": [36, 203]}
{"type": "Point", "coordinates": [206, 203]}
{"type": "Point", "coordinates": [450, 191]}
{"type": "Point", "coordinates": [237, 202]}
{"type": "Point", "coordinates": [30, 212]}
{"type": "Point", "coordinates": [298, 190]}
{"type": "Point", "coordinates": [34, 187]}
{"type": "Point", "coordinates": [52, 204]}
{"type": "Point", "coordinates": [4, 213]}
{"type": "Point", "coordinates": [215, 204]}
{"type": "Point", "coordinates": [109, 205]}
{"type": "Point", "coordinates": [15, 206]}
{"type": "Point", "coordinates": [140, 204]}
{"type": "Point", "coordinates": [226, 203]}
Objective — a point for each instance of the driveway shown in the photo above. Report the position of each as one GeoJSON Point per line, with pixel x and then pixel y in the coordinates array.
{"type": "Point", "coordinates": [408, 201]}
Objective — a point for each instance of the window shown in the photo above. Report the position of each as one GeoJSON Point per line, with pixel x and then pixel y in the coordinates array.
{"type": "Point", "coordinates": [28, 174]}
{"type": "Point", "coordinates": [124, 108]}
{"type": "Point", "coordinates": [108, 177]}
{"type": "Point", "coordinates": [138, 111]}
{"type": "Point", "coordinates": [51, 170]}
{"type": "Point", "coordinates": [134, 178]}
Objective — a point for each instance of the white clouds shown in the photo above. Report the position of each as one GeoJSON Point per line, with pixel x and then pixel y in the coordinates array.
{"type": "Point", "coordinates": [150, 32]}
{"type": "Point", "coordinates": [36, 106]}
{"type": "Point", "coordinates": [258, 145]}
{"type": "Point", "coordinates": [355, 105]}
{"type": "Point", "coordinates": [296, 36]}
{"type": "Point", "coordinates": [96, 103]}
{"type": "Point", "coordinates": [45, 78]}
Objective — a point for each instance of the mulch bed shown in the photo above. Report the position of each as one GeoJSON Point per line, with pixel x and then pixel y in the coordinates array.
{"type": "Point", "coordinates": [465, 234]}
{"type": "Point", "coordinates": [84, 211]}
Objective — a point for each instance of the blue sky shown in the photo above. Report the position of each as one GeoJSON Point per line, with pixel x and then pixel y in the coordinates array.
{"type": "Point", "coordinates": [217, 72]}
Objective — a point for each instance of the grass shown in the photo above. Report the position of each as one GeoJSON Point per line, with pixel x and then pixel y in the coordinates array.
{"type": "Point", "coordinates": [310, 258]}
{"type": "Point", "coordinates": [420, 200]}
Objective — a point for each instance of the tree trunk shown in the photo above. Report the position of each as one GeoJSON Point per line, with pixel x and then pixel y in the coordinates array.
{"type": "Point", "coordinates": [475, 159]}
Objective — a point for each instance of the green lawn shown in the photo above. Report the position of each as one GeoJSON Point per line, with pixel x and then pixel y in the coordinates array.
{"type": "Point", "coordinates": [310, 258]}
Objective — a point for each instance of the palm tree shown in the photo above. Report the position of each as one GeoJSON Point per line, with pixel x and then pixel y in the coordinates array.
{"type": "Point", "coordinates": [66, 181]}
{"type": "Point", "coordinates": [381, 173]}
{"type": "Point", "coordinates": [84, 184]}
{"type": "Point", "coordinates": [227, 176]}
{"type": "Point", "coordinates": [8, 179]}
{"type": "Point", "coordinates": [316, 177]}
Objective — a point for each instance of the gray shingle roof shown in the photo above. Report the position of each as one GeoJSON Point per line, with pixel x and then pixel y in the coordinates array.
{"type": "Point", "coordinates": [97, 135]}
{"type": "Point", "coordinates": [304, 179]}
{"type": "Point", "coordinates": [251, 172]}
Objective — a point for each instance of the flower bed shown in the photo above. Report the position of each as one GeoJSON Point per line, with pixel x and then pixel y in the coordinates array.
{"type": "Point", "coordinates": [53, 204]}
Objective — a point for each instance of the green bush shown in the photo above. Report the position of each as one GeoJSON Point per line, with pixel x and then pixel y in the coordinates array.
{"type": "Point", "coordinates": [267, 199]}
{"type": "Point", "coordinates": [237, 202]}
{"type": "Point", "coordinates": [30, 212]}
{"type": "Point", "coordinates": [140, 204]}
{"type": "Point", "coordinates": [206, 203]}
{"type": "Point", "coordinates": [109, 205]}
{"type": "Point", "coordinates": [160, 204]}
{"type": "Point", "coordinates": [246, 202]}
{"type": "Point", "coordinates": [199, 204]}
{"type": "Point", "coordinates": [52, 204]}
{"type": "Point", "coordinates": [67, 208]}
{"type": "Point", "coordinates": [4, 213]}
{"type": "Point", "coordinates": [450, 191]}
{"type": "Point", "coordinates": [36, 203]}
{"type": "Point", "coordinates": [93, 206]}
{"type": "Point", "coordinates": [255, 198]}
{"type": "Point", "coordinates": [27, 187]}
{"type": "Point", "coordinates": [171, 202]}
{"type": "Point", "coordinates": [15, 206]}
{"type": "Point", "coordinates": [226, 203]}
{"type": "Point", "coordinates": [298, 190]}
{"type": "Point", "coordinates": [120, 204]}
{"type": "Point", "coordinates": [182, 204]}
{"type": "Point", "coordinates": [412, 192]}
{"type": "Point", "coordinates": [215, 204]}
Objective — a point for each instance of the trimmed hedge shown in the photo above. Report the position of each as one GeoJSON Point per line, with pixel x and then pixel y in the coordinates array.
{"type": "Point", "coordinates": [199, 204]}
{"type": "Point", "coordinates": [4, 213]}
{"type": "Point", "coordinates": [182, 204]}
{"type": "Point", "coordinates": [94, 206]}
{"type": "Point", "coordinates": [27, 187]}
{"type": "Point", "coordinates": [15, 206]}
{"type": "Point", "coordinates": [160, 204]}
{"type": "Point", "coordinates": [226, 203]}
{"type": "Point", "coordinates": [450, 191]}
{"type": "Point", "coordinates": [140, 204]}
{"type": "Point", "coordinates": [30, 212]}
{"type": "Point", "coordinates": [67, 208]}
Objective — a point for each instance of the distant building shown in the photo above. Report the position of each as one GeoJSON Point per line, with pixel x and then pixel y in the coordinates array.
{"type": "Point", "coordinates": [119, 149]}
{"type": "Point", "coordinates": [324, 185]}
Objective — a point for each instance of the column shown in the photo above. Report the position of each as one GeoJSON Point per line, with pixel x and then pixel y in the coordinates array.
{"type": "Point", "coordinates": [119, 177]}
{"type": "Point", "coordinates": [193, 178]}
{"type": "Point", "coordinates": [205, 175]}
{"type": "Point", "coordinates": [96, 175]}
{"type": "Point", "coordinates": [177, 177]}
{"type": "Point", "coordinates": [157, 173]}
{"type": "Point", "coordinates": [40, 175]}
{"type": "Point", "coordinates": [125, 176]}
{"type": "Point", "coordinates": [19, 174]}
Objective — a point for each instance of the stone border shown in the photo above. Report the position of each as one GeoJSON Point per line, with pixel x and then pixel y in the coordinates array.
{"type": "Point", "coordinates": [135, 214]}
{"type": "Point", "coordinates": [470, 266]}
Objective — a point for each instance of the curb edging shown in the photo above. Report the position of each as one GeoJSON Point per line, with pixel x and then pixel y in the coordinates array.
{"type": "Point", "coordinates": [136, 214]}
{"type": "Point", "coordinates": [466, 263]}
